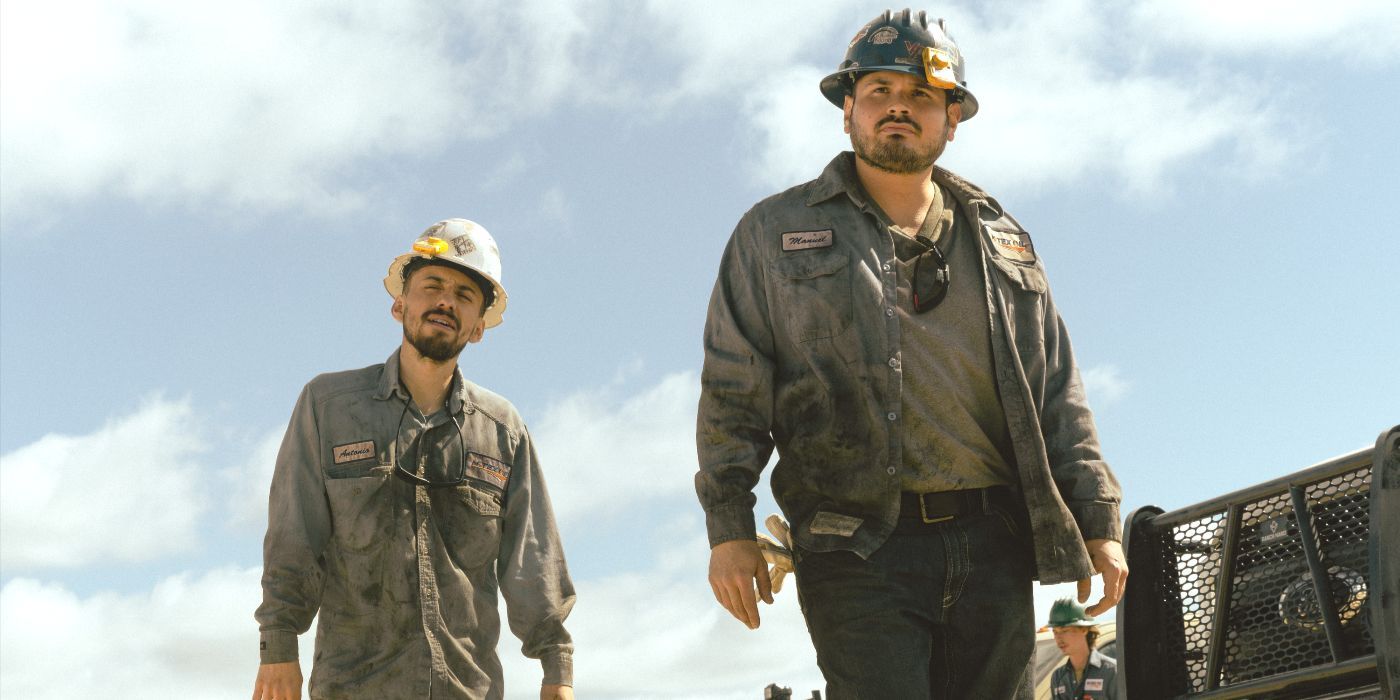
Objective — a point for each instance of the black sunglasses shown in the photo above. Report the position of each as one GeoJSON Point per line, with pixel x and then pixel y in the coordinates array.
{"type": "Point", "coordinates": [931, 277]}
{"type": "Point", "coordinates": [412, 478]}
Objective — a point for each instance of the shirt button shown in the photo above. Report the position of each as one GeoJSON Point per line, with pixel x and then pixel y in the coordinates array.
{"type": "Point", "coordinates": [891, 415]}
{"type": "Point", "coordinates": [894, 362]}
{"type": "Point", "coordinates": [890, 471]}
{"type": "Point", "coordinates": [887, 267]}
{"type": "Point", "coordinates": [889, 311]}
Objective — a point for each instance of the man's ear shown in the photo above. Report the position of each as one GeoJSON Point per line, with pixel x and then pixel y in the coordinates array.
{"type": "Point", "coordinates": [476, 334]}
{"type": "Point", "coordinates": [846, 106]}
{"type": "Point", "coordinates": [954, 116]}
{"type": "Point", "coordinates": [397, 309]}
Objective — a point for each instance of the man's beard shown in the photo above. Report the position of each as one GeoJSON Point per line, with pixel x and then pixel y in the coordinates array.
{"type": "Point", "coordinates": [434, 347]}
{"type": "Point", "coordinates": [896, 155]}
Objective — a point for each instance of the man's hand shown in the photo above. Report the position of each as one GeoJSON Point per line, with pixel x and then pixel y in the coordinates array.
{"type": "Point", "coordinates": [278, 682]}
{"type": "Point", "coordinates": [1107, 557]}
{"type": "Point", "coordinates": [556, 692]}
{"type": "Point", "coordinates": [734, 568]}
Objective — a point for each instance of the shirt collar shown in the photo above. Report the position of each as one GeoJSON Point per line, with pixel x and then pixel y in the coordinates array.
{"type": "Point", "coordinates": [389, 385]}
{"type": "Point", "coordinates": [839, 177]}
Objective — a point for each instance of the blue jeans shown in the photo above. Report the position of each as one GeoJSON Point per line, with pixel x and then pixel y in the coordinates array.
{"type": "Point", "coordinates": [938, 612]}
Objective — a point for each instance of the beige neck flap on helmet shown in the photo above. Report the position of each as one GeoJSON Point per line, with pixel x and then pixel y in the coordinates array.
{"type": "Point", "coordinates": [460, 243]}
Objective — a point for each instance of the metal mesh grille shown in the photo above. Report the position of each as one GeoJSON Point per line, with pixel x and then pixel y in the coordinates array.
{"type": "Point", "coordinates": [1342, 519]}
{"type": "Point", "coordinates": [1273, 621]}
{"type": "Point", "coordinates": [1193, 562]}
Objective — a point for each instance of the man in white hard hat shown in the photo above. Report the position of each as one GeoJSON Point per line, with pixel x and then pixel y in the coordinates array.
{"type": "Point", "coordinates": [404, 497]}
{"type": "Point", "coordinates": [888, 328]}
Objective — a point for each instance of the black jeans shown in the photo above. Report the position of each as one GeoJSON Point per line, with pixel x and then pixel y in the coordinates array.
{"type": "Point", "coordinates": [939, 612]}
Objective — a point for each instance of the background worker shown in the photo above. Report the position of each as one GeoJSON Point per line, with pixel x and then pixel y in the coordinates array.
{"type": "Point", "coordinates": [1086, 674]}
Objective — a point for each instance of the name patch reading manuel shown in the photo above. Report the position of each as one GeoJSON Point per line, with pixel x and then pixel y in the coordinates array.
{"type": "Point", "coordinates": [353, 452]}
{"type": "Point", "coordinates": [802, 240]}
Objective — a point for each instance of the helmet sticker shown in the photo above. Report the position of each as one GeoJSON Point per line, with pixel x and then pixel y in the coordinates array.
{"type": "Point", "coordinates": [884, 35]}
{"type": "Point", "coordinates": [859, 35]}
{"type": "Point", "coordinates": [463, 245]}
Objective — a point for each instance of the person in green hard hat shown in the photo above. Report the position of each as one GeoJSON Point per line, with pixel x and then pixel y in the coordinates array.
{"type": "Point", "coordinates": [1086, 673]}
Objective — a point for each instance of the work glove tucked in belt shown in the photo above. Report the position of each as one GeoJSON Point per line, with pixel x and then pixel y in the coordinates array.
{"type": "Point", "coordinates": [777, 550]}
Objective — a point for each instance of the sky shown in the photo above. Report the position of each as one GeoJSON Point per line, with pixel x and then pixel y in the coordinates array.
{"type": "Point", "coordinates": [198, 203]}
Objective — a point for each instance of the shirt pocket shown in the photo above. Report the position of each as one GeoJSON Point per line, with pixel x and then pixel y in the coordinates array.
{"type": "Point", "coordinates": [470, 523]}
{"type": "Point", "coordinates": [359, 503]}
{"type": "Point", "coordinates": [815, 293]}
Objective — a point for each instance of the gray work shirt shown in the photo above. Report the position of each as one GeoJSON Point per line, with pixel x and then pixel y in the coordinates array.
{"type": "Point", "coordinates": [802, 354]}
{"type": "Point", "coordinates": [405, 576]}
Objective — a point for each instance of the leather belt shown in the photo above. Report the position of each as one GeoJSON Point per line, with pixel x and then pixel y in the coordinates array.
{"type": "Point", "coordinates": [941, 506]}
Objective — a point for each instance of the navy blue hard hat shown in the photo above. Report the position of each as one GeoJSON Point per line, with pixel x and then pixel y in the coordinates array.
{"type": "Point", "coordinates": [905, 43]}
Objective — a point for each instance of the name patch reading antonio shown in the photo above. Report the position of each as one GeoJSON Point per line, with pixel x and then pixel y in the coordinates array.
{"type": "Point", "coordinates": [353, 452]}
{"type": "Point", "coordinates": [803, 240]}
{"type": "Point", "coordinates": [491, 471]}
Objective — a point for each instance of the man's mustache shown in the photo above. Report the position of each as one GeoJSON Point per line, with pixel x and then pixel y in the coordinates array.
{"type": "Point", "coordinates": [896, 119]}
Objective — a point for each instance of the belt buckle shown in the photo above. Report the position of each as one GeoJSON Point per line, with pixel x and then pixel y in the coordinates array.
{"type": "Point", "coordinates": [923, 513]}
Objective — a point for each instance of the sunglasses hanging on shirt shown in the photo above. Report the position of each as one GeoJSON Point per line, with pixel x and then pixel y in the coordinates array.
{"type": "Point", "coordinates": [931, 277]}
{"type": "Point", "coordinates": [417, 445]}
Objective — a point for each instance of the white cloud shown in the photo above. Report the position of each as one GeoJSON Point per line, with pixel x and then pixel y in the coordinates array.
{"type": "Point", "coordinates": [131, 491]}
{"type": "Point", "coordinates": [188, 637]}
{"type": "Point", "coordinates": [1302, 30]}
{"type": "Point", "coordinates": [1104, 384]}
{"type": "Point", "coordinates": [646, 443]}
{"type": "Point", "coordinates": [262, 104]}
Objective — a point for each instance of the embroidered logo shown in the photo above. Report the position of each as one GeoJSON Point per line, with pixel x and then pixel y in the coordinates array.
{"type": "Point", "coordinates": [1013, 245]}
{"type": "Point", "coordinates": [834, 524]}
{"type": "Point", "coordinates": [490, 470]}
{"type": "Point", "coordinates": [353, 452]}
{"type": "Point", "coordinates": [802, 240]}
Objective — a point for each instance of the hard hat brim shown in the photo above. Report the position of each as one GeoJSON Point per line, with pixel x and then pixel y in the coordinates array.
{"type": "Point", "coordinates": [833, 86]}
{"type": "Point", "coordinates": [393, 283]}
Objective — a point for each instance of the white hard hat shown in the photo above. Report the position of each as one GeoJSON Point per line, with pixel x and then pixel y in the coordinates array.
{"type": "Point", "coordinates": [464, 244]}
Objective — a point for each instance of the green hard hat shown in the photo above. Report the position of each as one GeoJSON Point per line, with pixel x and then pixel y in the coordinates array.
{"type": "Point", "coordinates": [1067, 613]}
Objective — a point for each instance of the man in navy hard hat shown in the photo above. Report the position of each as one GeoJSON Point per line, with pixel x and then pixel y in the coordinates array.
{"type": "Point", "coordinates": [1086, 674]}
{"type": "Point", "coordinates": [404, 497]}
{"type": "Point", "coordinates": [889, 329]}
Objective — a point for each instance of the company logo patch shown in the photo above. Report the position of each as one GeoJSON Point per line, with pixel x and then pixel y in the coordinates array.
{"type": "Point", "coordinates": [802, 240]}
{"type": "Point", "coordinates": [353, 452]}
{"type": "Point", "coordinates": [490, 470]}
{"type": "Point", "coordinates": [1013, 246]}
{"type": "Point", "coordinates": [884, 35]}
{"type": "Point", "coordinates": [834, 524]}
{"type": "Point", "coordinates": [1093, 684]}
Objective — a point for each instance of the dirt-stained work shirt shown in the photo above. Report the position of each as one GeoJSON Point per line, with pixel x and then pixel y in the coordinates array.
{"type": "Point", "coordinates": [802, 353]}
{"type": "Point", "coordinates": [404, 577]}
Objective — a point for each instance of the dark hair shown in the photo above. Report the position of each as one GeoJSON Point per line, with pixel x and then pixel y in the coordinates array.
{"type": "Point", "coordinates": [488, 290]}
{"type": "Point", "coordinates": [1091, 635]}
